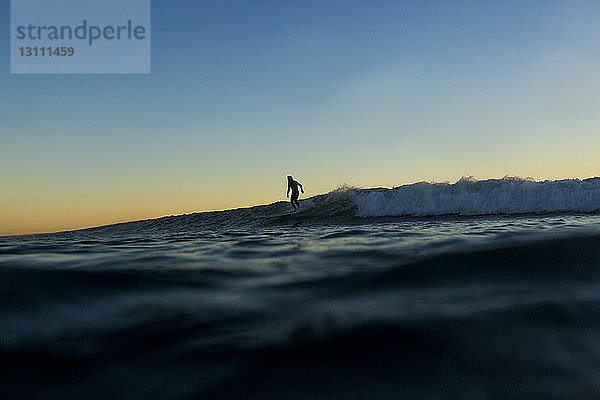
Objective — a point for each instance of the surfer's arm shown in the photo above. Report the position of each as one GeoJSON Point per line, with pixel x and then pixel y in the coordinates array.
{"type": "Point", "coordinates": [288, 192]}
{"type": "Point", "coordinates": [301, 188]}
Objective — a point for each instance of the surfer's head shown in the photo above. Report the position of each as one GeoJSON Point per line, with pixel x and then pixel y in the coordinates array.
{"type": "Point", "coordinates": [290, 178]}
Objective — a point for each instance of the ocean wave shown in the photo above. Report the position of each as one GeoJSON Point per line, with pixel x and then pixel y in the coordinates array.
{"type": "Point", "coordinates": [468, 196]}
{"type": "Point", "coordinates": [347, 204]}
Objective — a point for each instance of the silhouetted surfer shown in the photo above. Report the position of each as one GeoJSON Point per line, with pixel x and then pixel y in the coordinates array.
{"type": "Point", "coordinates": [293, 185]}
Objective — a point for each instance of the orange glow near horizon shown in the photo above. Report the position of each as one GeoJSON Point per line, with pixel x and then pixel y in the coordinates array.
{"type": "Point", "coordinates": [53, 212]}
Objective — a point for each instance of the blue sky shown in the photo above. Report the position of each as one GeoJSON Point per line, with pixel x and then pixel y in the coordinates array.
{"type": "Point", "coordinates": [365, 93]}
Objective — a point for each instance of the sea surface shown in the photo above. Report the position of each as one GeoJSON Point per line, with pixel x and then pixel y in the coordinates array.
{"type": "Point", "coordinates": [474, 290]}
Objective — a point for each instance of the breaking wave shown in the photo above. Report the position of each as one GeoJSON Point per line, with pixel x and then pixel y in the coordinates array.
{"type": "Point", "coordinates": [467, 197]}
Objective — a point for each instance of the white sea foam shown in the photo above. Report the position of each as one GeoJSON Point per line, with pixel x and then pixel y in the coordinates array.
{"type": "Point", "coordinates": [468, 196]}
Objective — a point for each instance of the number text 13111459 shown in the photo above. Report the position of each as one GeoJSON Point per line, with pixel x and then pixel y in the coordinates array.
{"type": "Point", "coordinates": [47, 51]}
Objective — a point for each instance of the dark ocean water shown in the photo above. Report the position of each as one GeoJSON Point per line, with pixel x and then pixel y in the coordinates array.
{"type": "Point", "coordinates": [321, 304]}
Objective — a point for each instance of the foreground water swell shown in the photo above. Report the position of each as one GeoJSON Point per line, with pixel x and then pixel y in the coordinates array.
{"type": "Point", "coordinates": [451, 307]}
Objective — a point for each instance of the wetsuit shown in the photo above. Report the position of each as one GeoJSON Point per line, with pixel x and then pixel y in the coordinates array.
{"type": "Point", "coordinates": [293, 185]}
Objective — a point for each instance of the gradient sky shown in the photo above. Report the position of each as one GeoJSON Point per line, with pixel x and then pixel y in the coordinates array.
{"type": "Point", "coordinates": [243, 93]}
